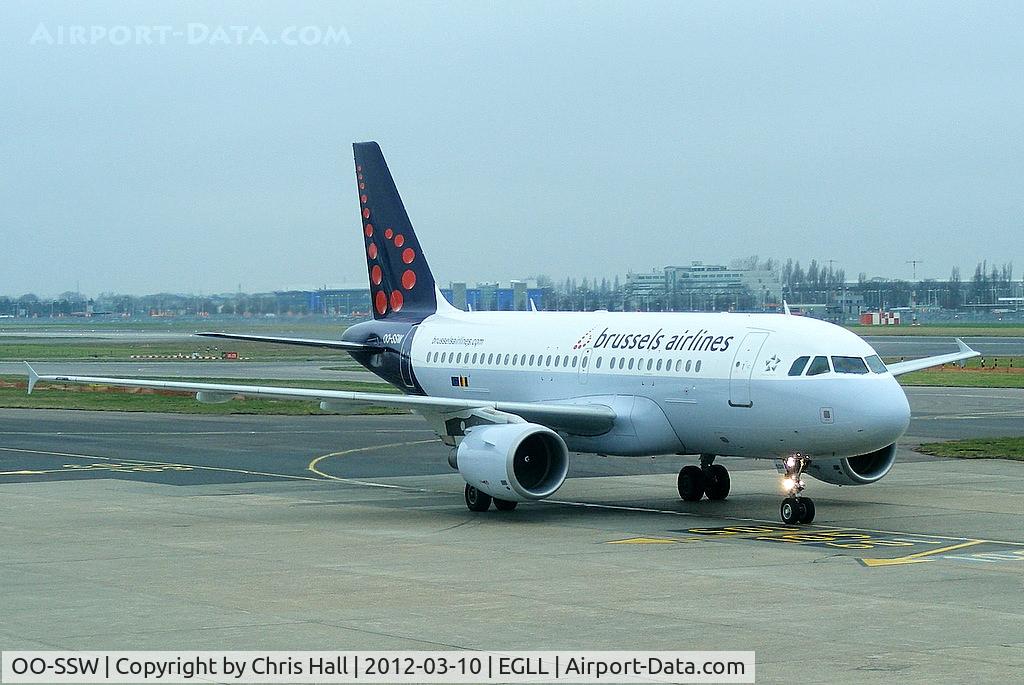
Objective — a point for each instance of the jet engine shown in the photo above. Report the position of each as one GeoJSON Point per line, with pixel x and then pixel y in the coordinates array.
{"type": "Point", "coordinates": [859, 470]}
{"type": "Point", "coordinates": [513, 461]}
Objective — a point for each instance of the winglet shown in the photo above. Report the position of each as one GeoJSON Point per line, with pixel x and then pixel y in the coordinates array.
{"type": "Point", "coordinates": [963, 346]}
{"type": "Point", "coordinates": [785, 308]}
{"type": "Point", "coordinates": [33, 378]}
{"type": "Point", "coordinates": [533, 305]}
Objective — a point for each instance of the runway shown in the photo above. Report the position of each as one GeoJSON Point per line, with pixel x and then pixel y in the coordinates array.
{"type": "Point", "coordinates": [328, 532]}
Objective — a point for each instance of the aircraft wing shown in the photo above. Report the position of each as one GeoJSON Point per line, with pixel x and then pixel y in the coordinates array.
{"type": "Point", "coordinates": [308, 342]}
{"type": "Point", "coordinates": [900, 368]}
{"type": "Point", "coordinates": [590, 419]}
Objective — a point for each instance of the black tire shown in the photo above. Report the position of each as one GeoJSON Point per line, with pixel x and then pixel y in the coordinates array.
{"type": "Point", "coordinates": [477, 500]}
{"type": "Point", "coordinates": [790, 511]}
{"type": "Point", "coordinates": [690, 483]}
{"type": "Point", "coordinates": [808, 510]}
{"type": "Point", "coordinates": [505, 504]}
{"type": "Point", "coordinates": [716, 482]}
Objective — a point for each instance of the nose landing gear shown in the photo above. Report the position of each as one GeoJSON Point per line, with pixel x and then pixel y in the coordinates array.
{"type": "Point", "coordinates": [795, 509]}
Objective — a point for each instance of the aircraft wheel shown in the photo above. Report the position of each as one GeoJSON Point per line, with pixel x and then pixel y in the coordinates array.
{"type": "Point", "coordinates": [808, 510]}
{"type": "Point", "coordinates": [477, 500]}
{"type": "Point", "coordinates": [716, 481]}
{"type": "Point", "coordinates": [505, 504]}
{"type": "Point", "coordinates": [790, 511]}
{"type": "Point", "coordinates": [690, 483]}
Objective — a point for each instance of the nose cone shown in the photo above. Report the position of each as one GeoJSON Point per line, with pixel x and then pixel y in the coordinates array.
{"type": "Point", "coordinates": [889, 413]}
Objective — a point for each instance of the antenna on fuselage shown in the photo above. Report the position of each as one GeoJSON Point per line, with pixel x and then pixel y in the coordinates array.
{"type": "Point", "coordinates": [785, 308]}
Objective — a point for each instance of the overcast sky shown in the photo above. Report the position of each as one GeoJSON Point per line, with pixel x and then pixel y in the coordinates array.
{"type": "Point", "coordinates": [582, 139]}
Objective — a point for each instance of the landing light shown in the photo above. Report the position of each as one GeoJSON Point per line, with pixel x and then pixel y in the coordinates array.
{"type": "Point", "coordinates": [791, 462]}
{"type": "Point", "coordinates": [787, 484]}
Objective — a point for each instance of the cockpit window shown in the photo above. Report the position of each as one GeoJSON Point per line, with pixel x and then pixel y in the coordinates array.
{"type": "Point", "coordinates": [849, 365]}
{"type": "Point", "coordinates": [798, 366]}
{"type": "Point", "coordinates": [818, 366]}
{"type": "Point", "coordinates": [875, 364]}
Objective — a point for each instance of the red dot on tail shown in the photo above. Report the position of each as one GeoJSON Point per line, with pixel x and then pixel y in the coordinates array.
{"type": "Point", "coordinates": [362, 186]}
{"type": "Point", "coordinates": [388, 233]}
{"type": "Point", "coordinates": [358, 168]}
{"type": "Point", "coordinates": [408, 254]}
{"type": "Point", "coordinates": [399, 240]}
{"type": "Point", "coordinates": [366, 212]}
{"type": "Point", "coordinates": [408, 279]}
{"type": "Point", "coordinates": [376, 275]}
{"type": "Point", "coordinates": [371, 251]}
{"type": "Point", "coordinates": [380, 301]}
{"type": "Point", "coordinates": [368, 230]}
{"type": "Point", "coordinates": [362, 198]}
{"type": "Point", "coordinates": [397, 300]}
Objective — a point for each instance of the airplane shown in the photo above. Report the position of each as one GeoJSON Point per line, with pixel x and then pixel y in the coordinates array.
{"type": "Point", "coordinates": [512, 393]}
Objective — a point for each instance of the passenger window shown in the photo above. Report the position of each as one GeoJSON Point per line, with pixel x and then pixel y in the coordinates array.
{"type": "Point", "coordinates": [515, 359]}
{"type": "Point", "coordinates": [458, 358]}
{"type": "Point", "coordinates": [576, 359]}
{"type": "Point", "coordinates": [650, 364]}
{"type": "Point", "coordinates": [490, 359]}
{"type": "Point", "coordinates": [611, 363]}
{"type": "Point", "coordinates": [622, 363]}
{"type": "Point", "coordinates": [799, 365]}
{"type": "Point", "coordinates": [696, 369]}
{"type": "Point", "coordinates": [474, 358]}
{"type": "Point", "coordinates": [658, 367]}
{"type": "Point", "coordinates": [849, 365]}
{"type": "Point", "coordinates": [679, 365]}
{"type": "Point", "coordinates": [532, 358]}
{"type": "Point", "coordinates": [631, 360]}
{"type": "Point", "coordinates": [688, 363]}
{"type": "Point", "coordinates": [549, 361]}
{"type": "Point", "coordinates": [818, 366]}
{"type": "Point", "coordinates": [557, 360]}
{"type": "Point", "coordinates": [875, 364]}
{"type": "Point", "coordinates": [596, 365]}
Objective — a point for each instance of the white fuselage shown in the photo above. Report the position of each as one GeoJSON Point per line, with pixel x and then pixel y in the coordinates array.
{"type": "Point", "coordinates": [679, 383]}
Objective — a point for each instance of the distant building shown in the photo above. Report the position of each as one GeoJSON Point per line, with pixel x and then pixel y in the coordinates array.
{"type": "Point", "coordinates": [491, 297]}
{"type": "Point", "coordinates": [713, 279]}
{"type": "Point", "coordinates": [705, 286]}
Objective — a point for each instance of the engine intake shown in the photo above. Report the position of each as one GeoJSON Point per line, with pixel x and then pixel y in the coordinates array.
{"type": "Point", "coordinates": [513, 461]}
{"type": "Point", "coordinates": [860, 470]}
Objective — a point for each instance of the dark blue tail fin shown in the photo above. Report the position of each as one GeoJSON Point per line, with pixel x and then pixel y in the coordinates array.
{"type": "Point", "coordinates": [401, 285]}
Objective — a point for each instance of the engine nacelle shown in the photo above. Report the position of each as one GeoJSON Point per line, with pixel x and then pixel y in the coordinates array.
{"type": "Point", "coordinates": [859, 470]}
{"type": "Point", "coordinates": [513, 461]}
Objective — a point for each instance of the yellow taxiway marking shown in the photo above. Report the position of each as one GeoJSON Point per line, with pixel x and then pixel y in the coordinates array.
{"type": "Point", "coordinates": [314, 465]}
{"type": "Point", "coordinates": [651, 541]}
{"type": "Point", "coordinates": [920, 557]}
{"type": "Point", "coordinates": [141, 462]}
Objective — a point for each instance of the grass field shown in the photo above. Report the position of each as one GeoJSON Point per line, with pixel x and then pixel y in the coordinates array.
{"type": "Point", "coordinates": [990, 448]}
{"type": "Point", "coordinates": [947, 330]}
{"type": "Point", "coordinates": [13, 394]}
{"type": "Point", "coordinates": [973, 375]}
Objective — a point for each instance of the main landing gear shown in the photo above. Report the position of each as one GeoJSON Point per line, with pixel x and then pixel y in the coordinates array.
{"type": "Point", "coordinates": [477, 500]}
{"type": "Point", "coordinates": [795, 509]}
{"type": "Point", "coordinates": [709, 479]}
